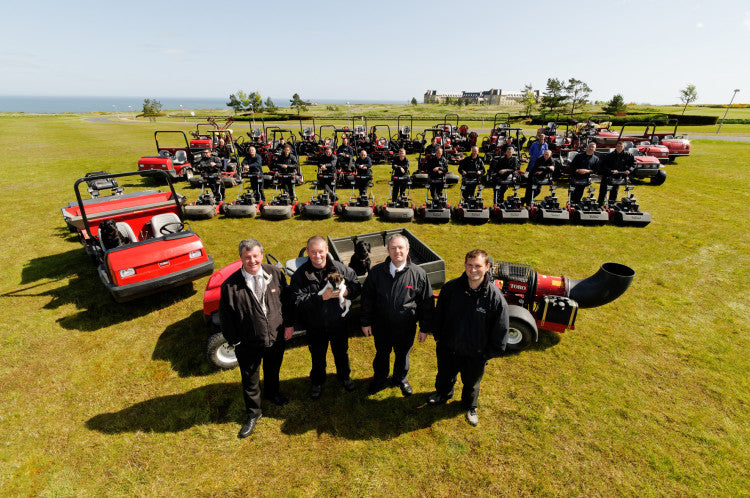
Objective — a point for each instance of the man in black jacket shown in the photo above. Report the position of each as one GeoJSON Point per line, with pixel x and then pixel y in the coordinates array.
{"type": "Point", "coordinates": [618, 162]}
{"type": "Point", "coordinates": [321, 315]}
{"type": "Point", "coordinates": [344, 156]}
{"type": "Point", "coordinates": [543, 166]}
{"type": "Point", "coordinates": [470, 327]}
{"type": "Point", "coordinates": [209, 166]}
{"type": "Point", "coordinates": [437, 167]}
{"type": "Point", "coordinates": [400, 174]}
{"type": "Point", "coordinates": [253, 167]}
{"type": "Point", "coordinates": [501, 170]}
{"type": "Point", "coordinates": [256, 320]}
{"type": "Point", "coordinates": [582, 166]}
{"type": "Point", "coordinates": [288, 168]}
{"type": "Point", "coordinates": [363, 169]}
{"type": "Point", "coordinates": [327, 172]}
{"type": "Point", "coordinates": [473, 166]}
{"type": "Point", "coordinates": [396, 295]}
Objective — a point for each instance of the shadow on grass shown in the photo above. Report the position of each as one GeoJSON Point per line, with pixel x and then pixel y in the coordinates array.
{"type": "Point", "coordinates": [96, 307]}
{"type": "Point", "coordinates": [183, 344]}
{"type": "Point", "coordinates": [349, 415]}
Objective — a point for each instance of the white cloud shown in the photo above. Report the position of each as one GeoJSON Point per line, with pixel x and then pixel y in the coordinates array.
{"type": "Point", "coordinates": [699, 25]}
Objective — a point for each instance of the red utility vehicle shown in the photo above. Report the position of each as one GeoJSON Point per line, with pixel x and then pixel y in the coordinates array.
{"type": "Point", "coordinates": [149, 249]}
{"type": "Point", "coordinates": [175, 160]}
{"type": "Point", "coordinates": [676, 145]}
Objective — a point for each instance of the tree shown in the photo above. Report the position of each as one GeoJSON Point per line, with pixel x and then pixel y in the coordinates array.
{"type": "Point", "coordinates": [554, 96]}
{"type": "Point", "coordinates": [239, 101]}
{"type": "Point", "coordinates": [270, 106]}
{"type": "Point", "coordinates": [529, 98]}
{"type": "Point", "coordinates": [151, 107]}
{"type": "Point", "coordinates": [413, 101]}
{"type": "Point", "coordinates": [298, 103]}
{"type": "Point", "coordinates": [577, 93]}
{"type": "Point", "coordinates": [254, 102]}
{"type": "Point", "coordinates": [616, 105]}
{"type": "Point", "coordinates": [687, 95]}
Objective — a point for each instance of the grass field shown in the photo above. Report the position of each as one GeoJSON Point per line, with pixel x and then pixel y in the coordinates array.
{"type": "Point", "coordinates": [648, 396]}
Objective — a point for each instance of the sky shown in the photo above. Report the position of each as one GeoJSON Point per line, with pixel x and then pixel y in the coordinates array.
{"type": "Point", "coordinates": [391, 50]}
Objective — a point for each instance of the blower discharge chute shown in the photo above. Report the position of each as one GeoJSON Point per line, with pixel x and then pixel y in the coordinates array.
{"type": "Point", "coordinates": [547, 302]}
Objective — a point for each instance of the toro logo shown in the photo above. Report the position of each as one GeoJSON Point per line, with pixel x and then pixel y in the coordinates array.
{"type": "Point", "coordinates": [273, 290]}
{"type": "Point", "coordinates": [514, 286]}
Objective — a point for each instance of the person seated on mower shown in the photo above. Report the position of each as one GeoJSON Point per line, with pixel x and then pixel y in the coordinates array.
{"type": "Point", "coordinates": [544, 166]}
{"type": "Point", "coordinates": [288, 168]}
{"type": "Point", "coordinates": [363, 169]}
{"type": "Point", "coordinates": [537, 149]}
{"type": "Point", "coordinates": [207, 162]}
{"type": "Point", "coordinates": [473, 166]}
{"type": "Point", "coordinates": [327, 177]}
{"type": "Point", "coordinates": [502, 169]}
{"type": "Point", "coordinates": [224, 152]}
{"type": "Point", "coordinates": [432, 148]}
{"type": "Point", "coordinates": [581, 168]}
{"type": "Point", "coordinates": [616, 163]}
{"type": "Point", "coordinates": [437, 167]}
{"type": "Point", "coordinates": [345, 153]}
{"type": "Point", "coordinates": [252, 166]}
{"type": "Point", "coordinates": [508, 142]}
{"type": "Point", "coordinates": [400, 174]}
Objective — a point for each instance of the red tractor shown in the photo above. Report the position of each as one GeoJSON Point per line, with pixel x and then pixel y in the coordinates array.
{"type": "Point", "coordinates": [138, 240]}
{"type": "Point", "coordinates": [380, 147]}
{"type": "Point", "coordinates": [174, 159]}
{"type": "Point", "coordinates": [412, 144]}
{"type": "Point", "coordinates": [460, 136]}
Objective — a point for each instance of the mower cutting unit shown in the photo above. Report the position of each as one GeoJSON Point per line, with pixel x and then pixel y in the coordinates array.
{"type": "Point", "coordinates": [175, 161]}
{"type": "Point", "coordinates": [359, 207]}
{"type": "Point", "coordinates": [511, 209]}
{"type": "Point", "coordinates": [400, 210]}
{"type": "Point", "coordinates": [283, 206]}
{"type": "Point", "coordinates": [587, 211]}
{"type": "Point", "coordinates": [471, 208]}
{"type": "Point", "coordinates": [246, 205]}
{"type": "Point", "coordinates": [138, 240]}
{"type": "Point", "coordinates": [435, 209]}
{"type": "Point", "coordinates": [210, 201]}
{"type": "Point", "coordinates": [549, 209]}
{"type": "Point", "coordinates": [323, 203]}
{"type": "Point", "coordinates": [626, 211]}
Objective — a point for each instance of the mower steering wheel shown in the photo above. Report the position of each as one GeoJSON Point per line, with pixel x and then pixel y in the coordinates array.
{"type": "Point", "coordinates": [168, 228]}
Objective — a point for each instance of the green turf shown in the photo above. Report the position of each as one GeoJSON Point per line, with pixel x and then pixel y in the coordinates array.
{"type": "Point", "coordinates": [648, 396]}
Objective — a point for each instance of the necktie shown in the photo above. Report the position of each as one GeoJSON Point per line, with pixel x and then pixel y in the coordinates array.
{"type": "Point", "coordinates": [258, 291]}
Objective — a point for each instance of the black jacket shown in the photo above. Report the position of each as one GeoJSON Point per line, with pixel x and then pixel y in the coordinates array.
{"type": "Point", "coordinates": [470, 322]}
{"type": "Point", "coordinates": [584, 161]}
{"type": "Point", "coordinates": [616, 161]}
{"type": "Point", "coordinates": [311, 312]}
{"type": "Point", "coordinates": [504, 162]}
{"type": "Point", "coordinates": [471, 165]}
{"type": "Point", "coordinates": [241, 315]}
{"type": "Point", "coordinates": [541, 164]}
{"type": "Point", "coordinates": [290, 161]}
{"type": "Point", "coordinates": [433, 162]}
{"type": "Point", "coordinates": [204, 164]}
{"type": "Point", "coordinates": [328, 162]}
{"type": "Point", "coordinates": [345, 149]}
{"type": "Point", "coordinates": [397, 303]}
{"type": "Point", "coordinates": [397, 163]}
{"type": "Point", "coordinates": [367, 162]}
{"type": "Point", "coordinates": [254, 165]}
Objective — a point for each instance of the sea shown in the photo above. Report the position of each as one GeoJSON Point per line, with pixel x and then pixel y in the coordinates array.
{"type": "Point", "coordinates": [54, 104]}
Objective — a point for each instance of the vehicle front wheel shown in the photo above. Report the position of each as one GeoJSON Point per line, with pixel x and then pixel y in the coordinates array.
{"type": "Point", "coordinates": [659, 177]}
{"type": "Point", "coordinates": [188, 174]}
{"type": "Point", "coordinates": [520, 335]}
{"type": "Point", "coordinates": [219, 353]}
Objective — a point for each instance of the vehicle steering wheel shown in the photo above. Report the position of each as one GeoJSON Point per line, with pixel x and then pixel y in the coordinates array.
{"type": "Point", "coordinates": [173, 227]}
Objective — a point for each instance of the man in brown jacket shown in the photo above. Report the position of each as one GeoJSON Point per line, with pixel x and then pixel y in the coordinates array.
{"type": "Point", "coordinates": [256, 320]}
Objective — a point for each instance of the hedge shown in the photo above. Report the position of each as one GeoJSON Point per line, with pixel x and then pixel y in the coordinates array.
{"type": "Point", "coordinates": [620, 120]}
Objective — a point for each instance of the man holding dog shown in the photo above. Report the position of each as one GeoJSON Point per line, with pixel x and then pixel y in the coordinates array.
{"type": "Point", "coordinates": [321, 314]}
{"type": "Point", "coordinates": [470, 326]}
{"type": "Point", "coordinates": [256, 320]}
{"type": "Point", "coordinates": [395, 296]}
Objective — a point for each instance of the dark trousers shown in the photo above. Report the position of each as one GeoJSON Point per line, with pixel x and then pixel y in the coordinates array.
{"type": "Point", "coordinates": [318, 346]}
{"type": "Point", "coordinates": [500, 193]}
{"type": "Point", "coordinates": [249, 359]}
{"type": "Point", "coordinates": [287, 183]}
{"type": "Point", "coordinates": [603, 191]}
{"type": "Point", "coordinates": [399, 189]}
{"type": "Point", "coordinates": [531, 191]}
{"type": "Point", "coordinates": [398, 341]}
{"type": "Point", "coordinates": [449, 365]}
{"type": "Point", "coordinates": [362, 183]}
{"type": "Point", "coordinates": [436, 191]}
{"type": "Point", "coordinates": [257, 186]}
{"type": "Point", "coordinates": [577, 193]}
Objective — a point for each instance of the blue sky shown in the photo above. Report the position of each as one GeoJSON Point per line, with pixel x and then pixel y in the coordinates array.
{"type": "Point", "coordinates": [645, 50]}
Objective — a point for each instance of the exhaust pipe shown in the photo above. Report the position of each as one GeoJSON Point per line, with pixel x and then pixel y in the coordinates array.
{"type": "Point", "coordinates": [604, 286]}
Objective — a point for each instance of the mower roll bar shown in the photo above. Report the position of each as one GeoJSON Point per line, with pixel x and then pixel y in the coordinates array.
{"type": "Point", "coordinates": [156, 137]}
{"type": "Point", "coordinates": [151, 172]}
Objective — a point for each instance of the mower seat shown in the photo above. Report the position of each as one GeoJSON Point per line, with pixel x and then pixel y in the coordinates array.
{"type": "Point", "coordinates": [628, 145]}
{"type": "Point", "coordinates": [126, 232]}
{"type": "Point", "coordinates": [572, 155]}
{"type": "Point", "coordinates": [180, 157]}
{"type": "Point", "coordinates": [634, 151]}
{"type": "Point", "coordinates": [164, 154]}
{"type": "Point", "coordinates": [159, 221]}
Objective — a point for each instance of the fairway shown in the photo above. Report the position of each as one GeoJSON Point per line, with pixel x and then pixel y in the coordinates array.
{"type": "Point", "coordinates": [650, 394]}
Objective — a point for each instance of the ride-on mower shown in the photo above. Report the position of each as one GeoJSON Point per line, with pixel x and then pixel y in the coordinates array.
{"type": "Point", "coordinates": [210, 201]}
{"type": "Point", "coordinates": [175, 161]}
{"type": "Point", "coordinates": [138, 239]}
{"type": "Point", "coordinates": [626, 210]}
{"type": "Point", "coordinates": [247, 204]}
{"type": "Point", "coordinates": [360, 206]}
{"type": "Point", "coordinates": [471, 208]}
{"type": "Point", "coordinates": [587, 211]}
{"type": "Point", "coordinates": [435, 208]}
{"type": "Point", "coordinates": [284, 205]}
{"type": "Point", "coordinates": [511, 209]}
{"type": "Point", "coordinates": [547, 210]}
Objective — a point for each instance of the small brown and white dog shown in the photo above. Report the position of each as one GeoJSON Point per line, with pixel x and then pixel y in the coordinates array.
{"type": "Point", "coordinates": [335, 281]}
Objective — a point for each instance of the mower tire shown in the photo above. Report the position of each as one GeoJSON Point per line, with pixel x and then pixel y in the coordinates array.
{"type": "Point", "coordinates": [219, 353]}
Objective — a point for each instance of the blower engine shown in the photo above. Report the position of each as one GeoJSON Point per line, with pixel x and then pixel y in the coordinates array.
{"type": "Point", "coordinates": [547, 302]}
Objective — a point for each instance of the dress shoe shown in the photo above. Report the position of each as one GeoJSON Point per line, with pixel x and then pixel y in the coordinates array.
{"type": "Point", "coordinates": [248, 427]}
{"type": "Point", "coordinates": [316, 391]}
{"type": "Point", "coordinates": [349, 385]}
{"type": "Point", "coordinates": [375, 387]}
{"type": "Point", "coordinates": [437, 399]}
{"type": "Point", "coordinates": [406, 389]}
{"type": "Point", "coordinates": [278, 399]}
{"type": "Point", "coordinates": [472, 417]}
